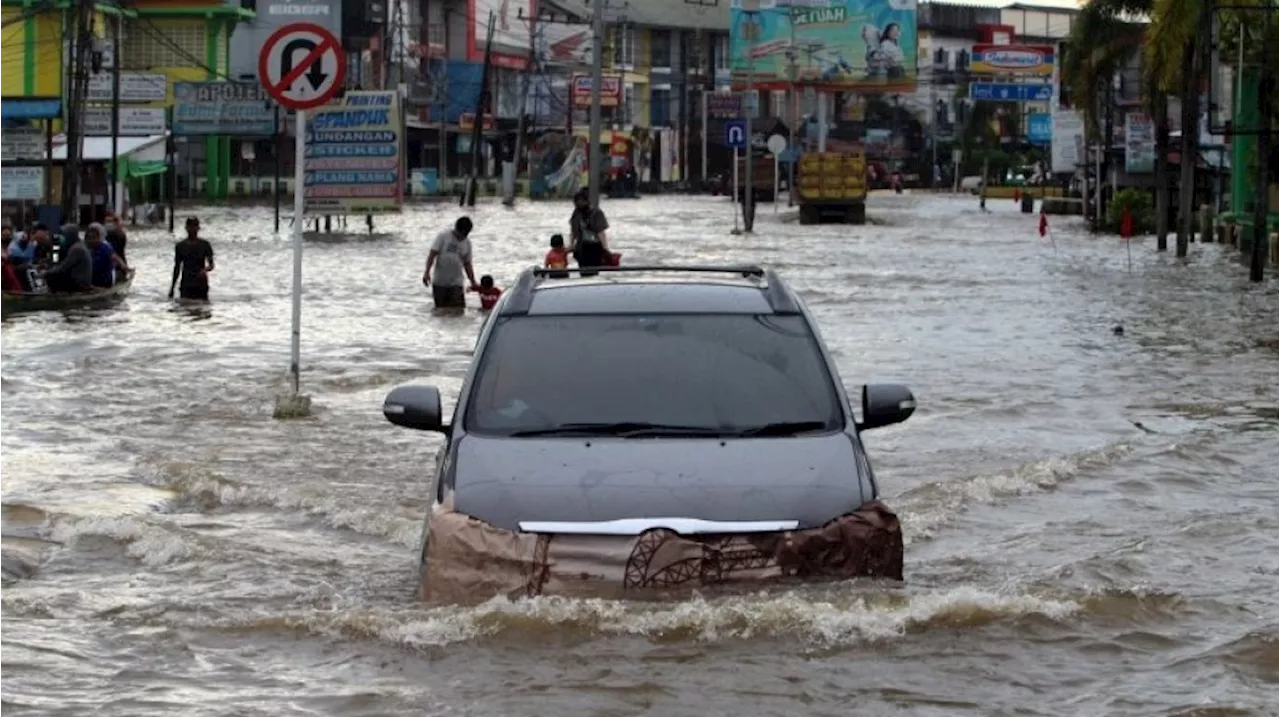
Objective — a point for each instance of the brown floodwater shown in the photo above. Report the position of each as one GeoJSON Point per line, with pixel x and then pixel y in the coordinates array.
{"type": "Point", "coordinates": [1091, 518]}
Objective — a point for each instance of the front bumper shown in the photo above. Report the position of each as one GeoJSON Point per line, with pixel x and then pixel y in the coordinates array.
{"type": "Point", "coordinates": [469, 561]}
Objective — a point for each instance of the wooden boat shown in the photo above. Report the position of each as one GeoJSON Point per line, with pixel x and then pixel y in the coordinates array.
{"type": "Point", "coordinates": [22, 301]}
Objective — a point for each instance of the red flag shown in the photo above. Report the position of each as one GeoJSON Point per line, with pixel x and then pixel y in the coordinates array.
{"type": "Point", "coordinates": [1044, 224]}
{"type": "Point", "coordinates": [1126, 224]}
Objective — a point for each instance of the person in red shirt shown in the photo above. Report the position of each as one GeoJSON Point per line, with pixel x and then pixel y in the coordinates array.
{"type": "Point", "coordinates": [557, 257]}
{"type": "Point", "coordinates": [10, 277]}
{"type": "Point", "coordinates": [489, 293]}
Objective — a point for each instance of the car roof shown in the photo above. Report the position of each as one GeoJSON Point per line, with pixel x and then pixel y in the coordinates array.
{"type": "Point", "coordinates": [629, 296]}
{"type": "Point", "coordinates": [652, 289]}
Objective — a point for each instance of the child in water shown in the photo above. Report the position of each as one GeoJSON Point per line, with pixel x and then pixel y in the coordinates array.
{"type": "Point", "coordinates": [557, 257]}
{"type": "Point", "coordinates": [489, 293]}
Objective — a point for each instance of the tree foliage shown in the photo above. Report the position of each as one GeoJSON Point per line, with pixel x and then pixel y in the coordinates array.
{"type": "Point", "coordinates": [1105, 35]}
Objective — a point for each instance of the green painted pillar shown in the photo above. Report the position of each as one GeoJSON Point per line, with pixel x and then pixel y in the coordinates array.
{"type": "Point", "coordinates": [28, 49]}
{"type": "Point", "coordinates": [224, 183]}
{"type": "Point", "coordinates": [212, 145]}
{"type": "Point", "coordinates": [1244, 146]}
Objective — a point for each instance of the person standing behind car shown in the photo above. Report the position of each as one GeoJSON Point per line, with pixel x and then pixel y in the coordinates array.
{"type": "Point", "coordinates": [588, 231]}
{"type": "Point", "coordinates": [447, 263]}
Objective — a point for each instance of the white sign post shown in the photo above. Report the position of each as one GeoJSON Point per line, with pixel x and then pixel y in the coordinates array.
{"type": "Point", "coordinates": [302, 66]}
{"type": "Point", "coordinates": [777, 144]}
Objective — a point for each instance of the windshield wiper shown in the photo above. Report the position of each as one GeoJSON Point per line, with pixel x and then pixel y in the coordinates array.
{"type": "Point", "coordinates": [782, 428]}
{"type": "Point", "coordinates": [627, 429]}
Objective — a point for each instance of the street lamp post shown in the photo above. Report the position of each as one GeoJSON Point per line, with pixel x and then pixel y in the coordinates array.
{"type": "Point", "coordinates": [794, 119]}
{"type": "Point", "coordinates": [751, 9]}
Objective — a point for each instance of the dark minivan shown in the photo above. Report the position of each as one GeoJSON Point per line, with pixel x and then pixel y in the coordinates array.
{"type": "Point", "coordinates": [651, 428]}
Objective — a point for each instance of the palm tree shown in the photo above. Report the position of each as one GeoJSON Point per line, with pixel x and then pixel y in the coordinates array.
{"type": "Point", "coordinates": [1177, 52]}
{"type": "Point", "coordinates": [1105, 36]}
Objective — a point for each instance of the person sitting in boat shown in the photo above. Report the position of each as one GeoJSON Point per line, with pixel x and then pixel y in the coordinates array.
{"type": "Point", "coordinates": [105, 258]}
{"type": "Point", "coordinates": [75, 270]}
{"type": "Point", "coordinates": [22, 250]}
{"type": "Point", "coordinates": [9, 279]}
{"type": "Point", "coordinates": [115, 234]}
{"type": "Point", "coordinates": [44, 245]}
{"type": "Point", "coordinates": [25, 253]}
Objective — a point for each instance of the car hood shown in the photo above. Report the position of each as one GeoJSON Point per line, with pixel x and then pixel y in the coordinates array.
{"type": "Point", "coordinates": [506, 481]}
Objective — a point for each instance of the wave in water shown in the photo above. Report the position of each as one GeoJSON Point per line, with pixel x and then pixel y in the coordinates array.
{"type": "Point", "coordinates": [838, 620]}
{"type": "Point", "coordinates": [927, 508]}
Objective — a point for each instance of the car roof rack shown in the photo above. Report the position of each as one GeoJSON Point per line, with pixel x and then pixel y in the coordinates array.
{"type": "Point", "coordinates": [779, 298]}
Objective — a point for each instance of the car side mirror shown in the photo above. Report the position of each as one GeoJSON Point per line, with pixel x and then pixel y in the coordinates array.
{"type": "Point", "coordinates": [416, 407]}
{"type": "Point", "coordinates": [884, 404]}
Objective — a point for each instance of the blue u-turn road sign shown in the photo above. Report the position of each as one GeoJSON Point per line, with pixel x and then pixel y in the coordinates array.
{"type": "Point", "coordinates": [735, 134]}
{"type": "Point", "coordinates": [1009, 92]}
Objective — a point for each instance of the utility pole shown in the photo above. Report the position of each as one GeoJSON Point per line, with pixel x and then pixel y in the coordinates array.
{"type": "Point", "coordinates": [388, 36]}
{"type": "Point", "coordinates": [482, 102]}
{"type": "Point", "coordinates": [750, 104]}
{"type": "Point", "coordinates": [793, 70]}
{"type": "Point", "coordinates": [441, 85]}
{"type": "Point", "coordinates": [509, 190]}
{"type": "Point", "coordinates": [117, 205]}
{"type": "Point", "coordinates": [1258, 251]}
{"type": "Point", "coordinates": [77, 89]}
{"type": "Point", "coordinates": [597, 79]}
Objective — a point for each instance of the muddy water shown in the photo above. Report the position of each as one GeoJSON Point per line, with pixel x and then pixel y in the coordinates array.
{"type": "Point", "coordinates": [1091, 518]}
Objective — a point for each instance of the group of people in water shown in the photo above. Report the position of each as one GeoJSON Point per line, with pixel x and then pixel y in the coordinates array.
{"type": "Point", "coordinates": [449, 271]}
{"type": "Point", "coordinates": [35, 261]}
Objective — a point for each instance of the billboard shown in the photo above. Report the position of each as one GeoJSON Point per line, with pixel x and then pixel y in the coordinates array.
{"type": "Point", "coordinates": [352, 160]}
{"type": "Point", "coordinates": [1139, 143]}
{"type": "Point", "coordinates": [559, 44]}
{"type": "Point", "coordinates": [132, 122]}
{"type": "Point", "coordinates": [22, 184]}
{"type": "Point", "coordinates": [724, 105]}
{"type": "Point", "coordinates": [1039, 127]}
{"type": "Point", "coordinates": [610, 90]}
{"type": "Point", "coordinates": [510, 26]}
{"type": "Point", "coordinates": [1012, 59]}
{"type": "Point", "coordinates": [234, 109]}
{"type": "Point", "coordinates": [247, 38]}
{"type": "Point", "coordinates": [1067, 142]}
{"type": "Point", "coordinates": [864, 45]}
{"type": "Point", "coordinates": [22, 143]}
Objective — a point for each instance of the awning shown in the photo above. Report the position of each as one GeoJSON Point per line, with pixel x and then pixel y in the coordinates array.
{"type": "Point", "coordinates": [98, 149]}
{"type": "Point", "coordinates": [144, 168]}
{"type": "Point", "coordinates": [29, 108]}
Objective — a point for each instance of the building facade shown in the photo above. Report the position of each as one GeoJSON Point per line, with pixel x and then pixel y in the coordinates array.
{"type": "Point", "coordinates": [160, 41]}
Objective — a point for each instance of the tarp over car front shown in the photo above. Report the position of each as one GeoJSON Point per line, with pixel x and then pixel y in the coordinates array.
{"type": "Point", "coordinates": [469, 561]}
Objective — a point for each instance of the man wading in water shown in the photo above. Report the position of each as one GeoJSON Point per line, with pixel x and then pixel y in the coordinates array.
{"type": "Point", "coordinates": [450, 257]}
{"type": "Point", "coordinates": [192, 261]}
{"type": "Point", "coordinates": [588, 229]}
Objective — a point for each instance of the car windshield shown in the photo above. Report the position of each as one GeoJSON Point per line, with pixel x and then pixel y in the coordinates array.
{"type": "Point", "coordinates": [646, 374]}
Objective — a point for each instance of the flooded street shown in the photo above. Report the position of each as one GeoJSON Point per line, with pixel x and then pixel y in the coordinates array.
{"type": "Point", "coordinates": [1091, 518]}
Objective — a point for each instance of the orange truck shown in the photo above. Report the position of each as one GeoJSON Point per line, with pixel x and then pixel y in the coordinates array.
{"type": "Point", "coordinates": [832, 186]}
